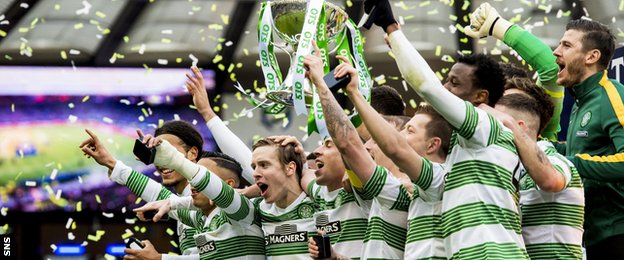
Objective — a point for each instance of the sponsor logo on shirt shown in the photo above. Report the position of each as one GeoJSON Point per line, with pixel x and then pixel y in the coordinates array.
{"type": "Point", "coordinates": [322, 223]}
{"type": "Point", "coordinates": [286, 233]}
{"type": "Point", "coordinates": [586, 118]}
{"type": "Point", "coordinates": [204, 245]}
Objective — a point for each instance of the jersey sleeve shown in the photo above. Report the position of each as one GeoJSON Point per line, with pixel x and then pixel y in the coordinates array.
{"type": "Point", "coordinates": [558, 161]}
{"type": "Point", "coordinates": [430, 184]}
{"type": "Point", "coordinates": [236, 206]}
{"type": "Point", "coordinates": [539, 55]}
{"type": "Point", "coordinates": [231, 145]}
{"type": "Point", "coordinates": [139, 184]}
{"type": "Point", "coordinates": [386, 189]}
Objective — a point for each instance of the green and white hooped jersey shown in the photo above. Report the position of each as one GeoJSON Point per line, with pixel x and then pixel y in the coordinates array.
{"type": "Point", "coordinates": [480, 218]}
{"type": "Point", "coordinates": [232, 224]}
{"type": "Point", "coordinates": [424, 232]}
{"type": "Point", "coordinates": [341, 218]}
{"type": "Point", "coordinates": [286, 231]}
{"type": "Point", "coordinates": [219, 237]}
{"type": "Point", "coordinates": [150, 190]}
{"type": "Point", "coordinates": [552, 222]}
{"type": "Point", "coordinates": [387, 219]}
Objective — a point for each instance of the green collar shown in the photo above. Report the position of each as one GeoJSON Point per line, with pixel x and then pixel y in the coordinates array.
{"type": "Point", "coordinates": [588, 85]}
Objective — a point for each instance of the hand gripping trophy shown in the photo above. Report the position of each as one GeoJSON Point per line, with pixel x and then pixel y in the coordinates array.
{"type": "Point", "coordinates": [297, 23]}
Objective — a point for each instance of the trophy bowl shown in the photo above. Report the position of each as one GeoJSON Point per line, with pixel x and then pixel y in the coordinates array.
{"type": "Point", "coordinates": [289, 16]}
{"type": "Point", "coordinates": [288, 19]}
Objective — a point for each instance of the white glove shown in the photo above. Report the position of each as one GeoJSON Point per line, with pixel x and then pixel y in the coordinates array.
{"type": "Point", "coordinates": [486, 21]}
{"type": "Point", "coordinates": [169, 157]}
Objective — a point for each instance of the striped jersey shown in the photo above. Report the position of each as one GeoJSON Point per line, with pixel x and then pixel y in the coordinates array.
{"type": "Point", "coordinates": [552, 222]}
{"type": "Point", "coordinates": [424, 234]}
{"type": "Point", "coordinates": [387, 218]}
{"type": "Point", "coordinates": [286, 231]}
{"type": "Point", "coordinates": [232, 223]}
{"type": "Point", "coordinates": [150, 190]}
{"type": "Point", "coordinates": [341, 218]}
{"type": "Point", "coordinates": [480, 218]}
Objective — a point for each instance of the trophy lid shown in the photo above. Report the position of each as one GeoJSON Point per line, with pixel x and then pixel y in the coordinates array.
{"type": "Point", "coordinates": [289, 16]}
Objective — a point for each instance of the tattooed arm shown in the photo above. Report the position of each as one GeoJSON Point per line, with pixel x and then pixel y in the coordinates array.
{"type": "Point", "coordinates": [343, 133]}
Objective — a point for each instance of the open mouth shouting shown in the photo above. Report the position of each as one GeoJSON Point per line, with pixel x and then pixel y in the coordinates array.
{"type": "Point", "coordinates": [165, 172]}
{"type": "Point", "coordinates": [263, 189]}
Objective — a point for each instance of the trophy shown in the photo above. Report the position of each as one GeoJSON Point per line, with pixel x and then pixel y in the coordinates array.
{"type": "Point", "coordinates": [297, 23]}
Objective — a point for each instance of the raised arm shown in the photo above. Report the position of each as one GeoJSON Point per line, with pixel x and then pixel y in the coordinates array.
{"type": "Point", "coordinates": [139, 184]}
{"type": "Point", "coordinates": [486, 20]}
{"type": "Point", "coordinates": [237, 206]}
{"type": "Point", "coordinates": [343, 133]}
{"type": "Point", "coordinates": [227, 141]}
{"type": "Point", "coordinates": [390, 141]}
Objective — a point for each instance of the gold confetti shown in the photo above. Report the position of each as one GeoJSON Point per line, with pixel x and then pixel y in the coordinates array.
{"type": "Point", "coordinates": [57, 7]}
{"type": "Point", "coordinates": [349, 3]}
{"type": "Point", "coordinates": [97, 198]}
{"type": "Point", "coordinates": [13, 107]}
{"type": "Point", "coordinates": [63, 55]}
{"type": "Point", "coordinates": [165, 40]}
{"type": "Point", "coordinates": [85, 98]}
{"type": "Point", "coordinates": [3, 33]}
{"type": "Point", "coordinates": [126, 39]}
{"type": "Point", "coordinates": [78, 26]}
{"type": "Point", "coordinates": [170, 231]}
{"type": "Point", "coordinates": [79, 206]}
{"type": "Point", "coordinates": [178, 60]}
{"type": "Point", "coordinates": [438, 50]}
{"type": "Point", "coordinates": [100, 14]}
{"type": "Point", "coordinates": [412, 103]}
{"type": "Point", "coordinates": [217, 58]}
{"type": "Point", "coordinates": [225, 19]}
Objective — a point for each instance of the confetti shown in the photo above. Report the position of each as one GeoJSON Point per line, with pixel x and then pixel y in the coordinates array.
{"type": "Point", "coordinates": [69, 222]}
{"type": "Point", "coordinates": [79, 206]}
{"type": "Point", "coordinates": [74, 52]}
{"type": "Point", "coordinates": [170, 231]}
{"type": "Point", "coordinates": [30, 183]}
{"type": "Point", "coordinates": [4, 211]}
{"type": "Point", "coordinates": [108, 215]}
{"type": "Point", "coordinates": [98, 235]}
{"type": "Point", "coordinates": [12, 107]}
{"type": "Point", "coordinates": [128, 234]}
{"type": "Point", "coordinates": [107, 120]}
{"type": "Point", "coordinates": [71, 236]}
{"type": "Point", "coordinates": [97, 198]}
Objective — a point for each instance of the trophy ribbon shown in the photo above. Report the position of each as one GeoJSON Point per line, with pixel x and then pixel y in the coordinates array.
{"type": "Point", "coordinates": [304, 48]}
{"type": "Point", "coordinates": [268, 62]}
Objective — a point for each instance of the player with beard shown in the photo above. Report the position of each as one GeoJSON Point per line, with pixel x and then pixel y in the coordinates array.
{"type": "Point", "coordinates": [595, 140]}
{"type": "Point", "coordinates": [222, 224]}
{"type": "Point", "coordinates": [387, 222]}
{"type": "Point", "coordinates": [185, 139]}
{"type": "Point", "coordinates": [480, 217]}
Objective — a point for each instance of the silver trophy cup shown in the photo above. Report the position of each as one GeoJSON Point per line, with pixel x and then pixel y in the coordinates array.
{"type": "Point", "coordinates": [288, 19]}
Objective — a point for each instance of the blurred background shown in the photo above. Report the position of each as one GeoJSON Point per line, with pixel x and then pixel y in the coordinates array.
{"type": "Point", "coordinates": [115, 66]}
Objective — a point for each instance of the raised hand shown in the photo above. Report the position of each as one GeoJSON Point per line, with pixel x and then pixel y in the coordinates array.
{"type": "Point", "coordinates": [92, 147]}
{"type": "Point", "coordinates": [195, 86]}
{"type": "Point", "coordinates": [314, 66]}
{"type": "Point", "coordinates": [380, 13]}
{"type": "Point", "coordinates": [344, 69]}
{"type": "Point", "coordinates": [485, 21]}
{"type": "Point", "coordinates": [162, 206]}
